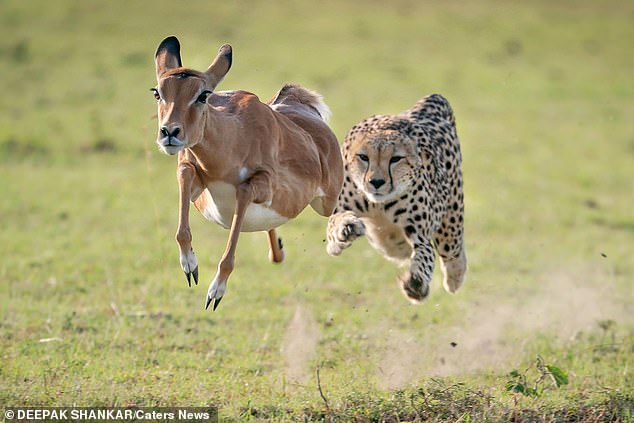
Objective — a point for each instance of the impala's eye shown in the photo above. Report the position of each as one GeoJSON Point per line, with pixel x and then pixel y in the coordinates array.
{"type": "Point", "coordinates": [363, 157]}
{"type": "Point", "coordinates": [202, 97]}
{"type": "Point", "coordinates": [396, 159]}
{"type": "Point", "coordinates": [157, 96]}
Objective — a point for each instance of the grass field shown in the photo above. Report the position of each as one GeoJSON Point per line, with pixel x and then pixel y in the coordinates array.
{"type": "Point", "coordinates": [95, 310]}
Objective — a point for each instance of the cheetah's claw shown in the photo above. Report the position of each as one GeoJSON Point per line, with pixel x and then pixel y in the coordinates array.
{"type": "Point", "coordinates": [343, 229]}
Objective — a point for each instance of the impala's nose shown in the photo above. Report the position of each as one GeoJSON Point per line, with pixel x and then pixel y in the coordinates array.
{"type": "Point", "coordinates": [166, 132]}
{"type": "Point", "coordinates": [377, 183]}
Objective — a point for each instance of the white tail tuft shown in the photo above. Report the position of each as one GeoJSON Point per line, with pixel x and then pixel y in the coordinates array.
{"type": "Point", "coordinates": [305, 96]}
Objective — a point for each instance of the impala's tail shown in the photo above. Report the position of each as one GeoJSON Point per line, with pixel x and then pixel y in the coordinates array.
{"type": "Point", "coordinates": [291, 93]}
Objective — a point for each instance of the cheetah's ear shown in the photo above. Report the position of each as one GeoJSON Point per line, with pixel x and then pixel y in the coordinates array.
{"type": "Point", "coordinates": [416, 145]}
{"type": "Point", "coordinates": [347, 142]}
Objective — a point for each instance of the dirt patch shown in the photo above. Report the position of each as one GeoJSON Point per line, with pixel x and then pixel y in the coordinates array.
{"type": "Point", "coordinates": [300, 343]}
{"type": "Point", "coordinates": [563, 303]}
{"type": "Point", "coordinates": [400, 361]}
{"type": "Point", "coordinates": [496, 331]}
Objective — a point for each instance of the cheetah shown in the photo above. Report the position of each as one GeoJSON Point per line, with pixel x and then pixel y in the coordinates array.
{"type": "Point", "coordinates": [403, 190]}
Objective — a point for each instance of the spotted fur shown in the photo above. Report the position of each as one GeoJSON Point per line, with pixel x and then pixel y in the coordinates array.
{"type": "Point", "coordinates": [403, 190]}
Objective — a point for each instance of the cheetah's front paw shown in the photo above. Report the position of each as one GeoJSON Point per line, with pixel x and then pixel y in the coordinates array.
{"type": "Point", "coordinates": [415, 288]}
{"type": "Point", "coordinates": [343, 229]}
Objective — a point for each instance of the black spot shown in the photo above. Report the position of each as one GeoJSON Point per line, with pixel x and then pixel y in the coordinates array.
{"type": "Point", "coordinates": [455, 206]}
{"type": "Point", "coordinates": [425, 215]}
{"type": "Point", "coordinates": [417, 218]}
{"type": "Point", "coordinates": [390, 204]}
{"type": "Point", "coordinates": [399, 211]}
{"type": "Point", "coordinates": [410, 229]}
{"type": "Point", "coordinates": [414, 207]}
{"type": "Point", "coordinates": [446, 247]}
{"type": "Point", "coordinates": [359, 205]}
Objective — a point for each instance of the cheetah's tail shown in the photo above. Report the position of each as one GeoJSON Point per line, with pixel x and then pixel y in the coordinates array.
{"type": "Point", "coordinates": [434, 105]}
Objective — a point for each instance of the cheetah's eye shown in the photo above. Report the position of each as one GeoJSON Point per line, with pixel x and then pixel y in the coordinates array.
{"type": "Point", "coordinates": [157, 96]}
{"type": "Point", "coordinates": [363, 157]}
{"type": "Point", "coordinates": [396, 159]}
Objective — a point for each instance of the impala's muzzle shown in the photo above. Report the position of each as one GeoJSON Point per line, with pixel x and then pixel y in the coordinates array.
{"type": "Point", "coordinates": [169, 142]}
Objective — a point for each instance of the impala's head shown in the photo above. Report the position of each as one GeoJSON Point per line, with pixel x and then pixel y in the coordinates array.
{"type": "Point", "coordinates": [182, 94]}
{"type": "Point", "coordinates": [382, 158]}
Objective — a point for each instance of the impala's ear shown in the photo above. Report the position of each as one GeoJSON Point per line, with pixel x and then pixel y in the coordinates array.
{"type": "Point", "coordinates": [168, 56]}
{"type": "Point", "coordinates": [221, 65]}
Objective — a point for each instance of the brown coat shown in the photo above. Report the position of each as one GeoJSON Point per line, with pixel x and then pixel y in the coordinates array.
{"type": "Point", "coordinates": [247, 165]}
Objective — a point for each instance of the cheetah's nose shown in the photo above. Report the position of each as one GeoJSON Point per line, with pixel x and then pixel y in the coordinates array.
{"type": "Point", "coordinates": [377, 183]}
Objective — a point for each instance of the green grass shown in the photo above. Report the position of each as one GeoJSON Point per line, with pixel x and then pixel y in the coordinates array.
{"type": "Point", "coordinates": [543, 96]}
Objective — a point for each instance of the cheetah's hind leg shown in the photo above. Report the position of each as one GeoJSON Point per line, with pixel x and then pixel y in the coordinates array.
{"type": "Point", "coordinates": [454, 271]}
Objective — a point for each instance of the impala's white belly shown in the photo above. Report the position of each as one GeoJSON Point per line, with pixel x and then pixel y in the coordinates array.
{"type": "Point", "coordinates": [220, 202]}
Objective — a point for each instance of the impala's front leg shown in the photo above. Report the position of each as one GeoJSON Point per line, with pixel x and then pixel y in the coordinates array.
{"type": "Point", "coordinates": [185, 175]}
{"type": "Point", "coordinates": [257, 190]}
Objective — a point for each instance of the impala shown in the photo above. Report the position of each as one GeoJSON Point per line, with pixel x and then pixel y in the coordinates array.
{"type": "Point", "coordinates": [246, 165]}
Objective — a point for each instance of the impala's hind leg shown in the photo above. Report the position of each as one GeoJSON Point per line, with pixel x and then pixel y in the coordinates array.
{"type": "Point", "coordinates": [276, 249]}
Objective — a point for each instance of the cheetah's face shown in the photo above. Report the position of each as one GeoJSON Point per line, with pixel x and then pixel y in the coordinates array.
{"type": "Point", "coordinates": [383, 165]}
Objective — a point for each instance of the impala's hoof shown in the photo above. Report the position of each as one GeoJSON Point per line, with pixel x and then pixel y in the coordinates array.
{"type": "Point", "coordinates": [189, 264]}
{"type": "Point", "coordinates": [195, 273]}
{"type": "Point", "coordinates": [215, 300]}
{"type": "Point", "coordinates": [216, 292]}
{"type": "Point", "coordinates": [189, 275]}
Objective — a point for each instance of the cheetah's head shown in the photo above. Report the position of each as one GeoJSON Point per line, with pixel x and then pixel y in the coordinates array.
{"type": "Point", "coordinates": [382, 159]}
